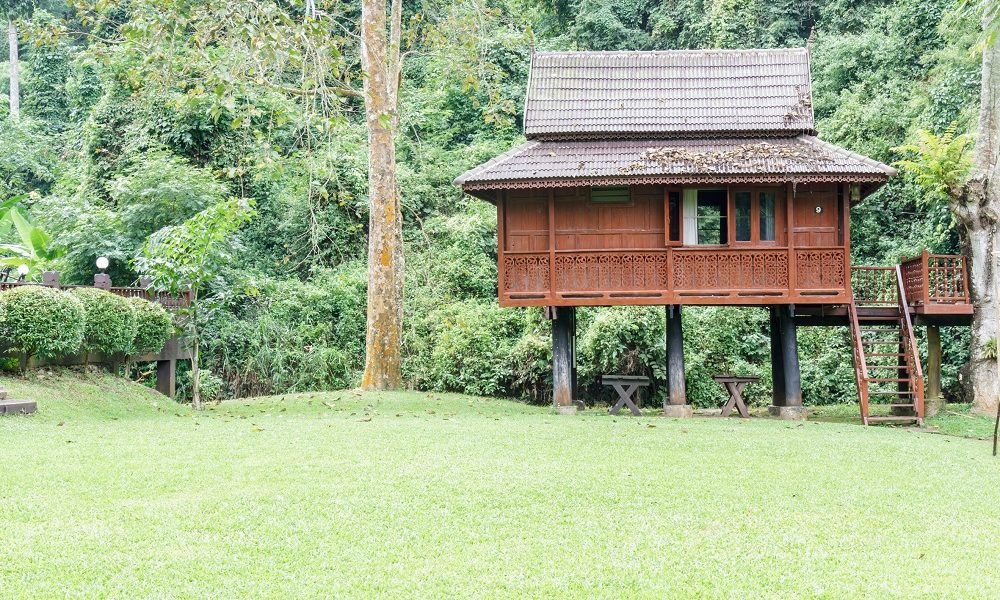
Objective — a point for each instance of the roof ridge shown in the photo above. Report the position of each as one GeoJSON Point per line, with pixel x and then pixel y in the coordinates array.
{"type": "Point", "coordinates": [672, 51]}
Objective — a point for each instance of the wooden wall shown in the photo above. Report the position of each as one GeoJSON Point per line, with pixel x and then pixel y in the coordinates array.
{"type": "Point", "coordinates": [812, 228]}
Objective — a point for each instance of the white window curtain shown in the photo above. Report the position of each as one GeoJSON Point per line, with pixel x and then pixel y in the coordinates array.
{"type": "Point", "coordinates": [690, 217]}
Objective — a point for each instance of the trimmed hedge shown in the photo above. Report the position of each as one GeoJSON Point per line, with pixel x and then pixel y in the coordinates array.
{"type": "Point", "coordinates": [41, 321]}
{"type": "Point", "coordinates": [154, 326]}
{"type": "Point", "coordinates": [110, 321]}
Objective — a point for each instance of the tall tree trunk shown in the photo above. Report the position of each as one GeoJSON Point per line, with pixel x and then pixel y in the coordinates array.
{"type": "Point", "coordinates": [979, 213]}
{"type": "Point", "coordinates": [15, 71]}
{"type": "Point", "coordinates": [380, 60]}
{"type": "Point", "coordinates": [195, 370]}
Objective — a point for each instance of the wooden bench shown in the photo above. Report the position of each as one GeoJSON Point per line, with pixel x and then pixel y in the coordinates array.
{"type": "Point", "coordinates": [626, 386]}
{"type": "Point", "coordinates": [735, 386]}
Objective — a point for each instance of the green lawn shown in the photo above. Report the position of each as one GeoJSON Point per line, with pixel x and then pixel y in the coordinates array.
{"type": "Point", "coordinates": [112, 491]}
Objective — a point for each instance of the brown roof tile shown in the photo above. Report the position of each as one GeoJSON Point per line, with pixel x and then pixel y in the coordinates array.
{"type": "Point", "coordinates": [585, 162]}
{"type": "Point", "coordinates": [677, 93]}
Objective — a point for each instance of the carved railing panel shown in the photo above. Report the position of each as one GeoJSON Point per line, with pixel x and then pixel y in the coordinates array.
{"type": "Point", "coordinates": [946, 279]}
{"type": "Point", "coordinates": [611, 271]}
{"type": "Point", "coordinates": [820, 269]}
{"type": "Point", "coordinates": [914, 279]}
{"type": "Point", "coordinates": [710, 270]}
{"type": "Point", "coordinates": [525, 273]}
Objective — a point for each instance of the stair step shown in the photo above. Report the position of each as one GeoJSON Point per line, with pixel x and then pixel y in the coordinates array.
{"type": "Point", "coordinates": [873, 354]}
{"type": "Point", "coordinates": [891, 419]}
{"type": "Point", "coordinates": [888, 379]}
{"type": "Point", "coordinates": [887, 367]}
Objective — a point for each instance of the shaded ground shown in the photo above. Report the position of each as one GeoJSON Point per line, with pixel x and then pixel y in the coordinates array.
{"type": "Point", "coordinates": [113, 491]}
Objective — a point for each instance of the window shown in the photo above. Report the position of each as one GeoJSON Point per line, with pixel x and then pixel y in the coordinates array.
{"type": "Point", "coordinates": [705, 213]}
{"type": "Point", "coordinates": [742, 201]}
{"type": "Point", "coordinates": [610, 195]}
{"type": "Point", "coordinates": [674, 216]}
{"type": "Point", "coordinates": [766, 200]}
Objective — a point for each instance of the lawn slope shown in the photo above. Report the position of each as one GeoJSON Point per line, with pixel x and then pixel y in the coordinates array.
{"type": "Point", "coordinates": [430, 495]}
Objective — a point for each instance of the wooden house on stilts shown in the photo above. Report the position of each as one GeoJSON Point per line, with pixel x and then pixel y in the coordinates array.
{"type": "Point", "coordinates": [696, 178]}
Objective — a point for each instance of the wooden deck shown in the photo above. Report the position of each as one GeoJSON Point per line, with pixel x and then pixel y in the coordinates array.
{"type": "Point", "coordinates": [935, 287]}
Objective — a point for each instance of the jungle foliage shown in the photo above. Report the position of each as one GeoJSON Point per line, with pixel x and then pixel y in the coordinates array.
{"type": "Point", "coordinates": [137, 116]}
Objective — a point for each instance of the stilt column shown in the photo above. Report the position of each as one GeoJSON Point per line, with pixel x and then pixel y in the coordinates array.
{"type": "Point", "coordinates": [562, 358]}
{"type": "Point", "coordinates": [787, 400]}
{"type": "Point", "coordinates": [166, 377]}
{"type": "Point", "coordinates": [676, 404]}
{"type": "Point", "coordinates": [934, 400]}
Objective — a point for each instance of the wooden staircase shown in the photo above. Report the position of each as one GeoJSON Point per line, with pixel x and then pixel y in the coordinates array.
{"type": "Point", "coordinates": [886, 360]}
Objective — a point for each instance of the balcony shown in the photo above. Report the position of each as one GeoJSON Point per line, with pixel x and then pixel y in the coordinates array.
{"type": "Point", "coordinates": [675, 276]}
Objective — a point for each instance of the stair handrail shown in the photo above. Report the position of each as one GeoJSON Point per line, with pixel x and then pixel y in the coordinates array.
{"type": "Point", "coordinates": [860, 364]}
{"type": "Point", "coordinates": [912, 355]}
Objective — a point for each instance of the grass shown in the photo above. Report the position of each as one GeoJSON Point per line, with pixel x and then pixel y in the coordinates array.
{"type": "Point", "coordinates": [111, 491]}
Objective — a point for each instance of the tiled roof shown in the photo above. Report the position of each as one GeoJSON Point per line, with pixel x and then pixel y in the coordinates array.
{"type": "Point", "coordinates": [676, 93]}
{"type": "Point", "coordinates": [763, 159]}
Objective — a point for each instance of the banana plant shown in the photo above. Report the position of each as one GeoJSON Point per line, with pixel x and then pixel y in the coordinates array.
{"type": "Point", "coordinates": [35, 248]}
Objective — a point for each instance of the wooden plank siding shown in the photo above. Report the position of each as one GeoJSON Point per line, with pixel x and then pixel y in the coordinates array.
{"type": "Point", "coordinates": [617, 252]}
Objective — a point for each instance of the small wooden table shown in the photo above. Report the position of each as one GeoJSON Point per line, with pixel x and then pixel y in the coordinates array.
{"type": "Point", "coordinates": [626, 386]}
{"type": "Point", "coordinates": [735, 386]}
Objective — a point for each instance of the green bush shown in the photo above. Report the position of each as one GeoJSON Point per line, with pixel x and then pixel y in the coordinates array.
{"type": "Point", "coordinates": [626, 340]}
{"type": "Point", "coordinates": [290, 336]}
{"type": "Point", "coordinates": [464, 347]}
{"type": "Point", "coordinates": [110, 321]}
{"type": "Point", "coordinates": [154, 326]}
{"type": "Point", "coordinates": [41, 321]}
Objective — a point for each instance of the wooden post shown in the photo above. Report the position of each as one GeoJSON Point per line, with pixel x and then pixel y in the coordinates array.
{"type": "Point", "coordinates": [562, 359]}
{"type": "Point", "coordinates": [935, 400]}
{"type": "Point", "coordinates": [790, 406]}
{"type": "Point", "coordinates": [676, 404]}
{"type": "Point", "coordinates": [777, 361]}
{"type": "Point", "coordinates": [166, 377]}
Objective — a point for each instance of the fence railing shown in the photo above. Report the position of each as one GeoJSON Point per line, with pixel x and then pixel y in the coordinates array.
{"type": "Point", "coordinates": [936, 279]}
{"type": "Point", "coordinates": [168, 301]}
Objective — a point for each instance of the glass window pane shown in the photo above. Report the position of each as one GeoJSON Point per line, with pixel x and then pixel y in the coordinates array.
{"type": "Point", "coordinates": [742, 200]}
{"type": "Point", "coordinates": [674, 215]}
{"type": "Point", "coordinates": [767, 217]}
{"type": "Point", "coordinates": [711, 217]}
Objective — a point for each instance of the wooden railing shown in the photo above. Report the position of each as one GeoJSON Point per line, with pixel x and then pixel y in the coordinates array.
{"type": "Point", "coordinates": [936, 279]}
{"type": "Point", "coordinates": [697, 270]}
{"type": "Point", "coordinates": [673, 274]}
{"type": "Point", "coordinates": [874, 286]}
{"type": "Point", "coordinates": [166, 300]}
{"type": "Point", "coordinates": [911, 351]}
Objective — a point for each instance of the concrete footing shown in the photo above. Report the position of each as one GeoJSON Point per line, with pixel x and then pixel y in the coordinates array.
{"type": "Point", "coordinates": [789, 413]}
{"type": "Point", "coordinates": [678, 411]}
{"type": "Point", "coordinates": [10, 407]}
{"type": "Point", "coordinates": [566, 410]}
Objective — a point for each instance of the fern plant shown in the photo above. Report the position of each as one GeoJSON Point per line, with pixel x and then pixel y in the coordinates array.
{"type": "Point", "coordinates": [938, 163]}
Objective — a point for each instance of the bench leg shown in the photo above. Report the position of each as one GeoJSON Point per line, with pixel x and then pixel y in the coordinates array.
{"type": "Point", "coordinates": [625, 399]}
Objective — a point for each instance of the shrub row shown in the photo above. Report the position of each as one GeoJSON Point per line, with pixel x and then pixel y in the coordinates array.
{"type": "Point", "coordinates": [46, 322]}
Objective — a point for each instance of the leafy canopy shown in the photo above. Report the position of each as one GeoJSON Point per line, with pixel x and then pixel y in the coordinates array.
{"type": "Point", "coordinates": [184, 256]}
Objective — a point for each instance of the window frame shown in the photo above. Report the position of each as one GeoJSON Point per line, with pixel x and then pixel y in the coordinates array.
{"type": "Point", "coordinates": [780, 217]}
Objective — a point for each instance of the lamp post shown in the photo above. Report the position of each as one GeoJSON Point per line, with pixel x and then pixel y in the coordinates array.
{"type": "Point", "coordinates": [102, 280]}
{"type": "Point", "coordinates": [22, 272]}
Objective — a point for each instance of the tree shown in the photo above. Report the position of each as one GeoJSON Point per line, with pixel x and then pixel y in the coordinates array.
{"type": "Point", "coordinates": [184, 257]}
{"type": "Point", "coordinates": [979, 214]}
{"type": "Point", "coordinates": [940, 164]}
{"type": "Point", "coordinates": [15, 71]}
{"type": "Point", "coordinates": [381, 63]}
